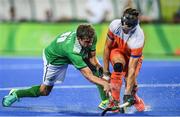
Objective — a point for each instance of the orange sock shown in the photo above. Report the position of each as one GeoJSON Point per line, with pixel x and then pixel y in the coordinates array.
{"type": "Point", "coordinates": [116, 83]}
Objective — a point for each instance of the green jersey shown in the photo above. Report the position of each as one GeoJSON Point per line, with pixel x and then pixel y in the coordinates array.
{"type": "Point", "coordinates": [65, 49]}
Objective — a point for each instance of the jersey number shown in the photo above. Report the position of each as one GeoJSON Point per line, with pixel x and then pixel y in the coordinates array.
{"type": "Point", "coordinates": [63, 37]}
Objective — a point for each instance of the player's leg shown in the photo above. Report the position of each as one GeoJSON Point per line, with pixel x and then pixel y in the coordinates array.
{"type": "Point", "coordinates": [34, 91]}
{"type": "Point", "coordinates": [118, 63]}
{"type": "Point", "coordinates": [105, 100]}
{"type": "Point", "coordinates": [51, 75]}
{"type": "Point", "coordinates": [104, 103]}
{"type": "Point", "coordinates": [139, 103]}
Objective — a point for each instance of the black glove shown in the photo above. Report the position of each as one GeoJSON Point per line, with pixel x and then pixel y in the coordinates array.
{"type": "Point", "coordinates": [100, 71]}
{"type": "Point", "coordinates": [130, 99]}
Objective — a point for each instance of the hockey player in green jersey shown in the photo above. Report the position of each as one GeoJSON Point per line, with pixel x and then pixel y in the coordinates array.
{"type": "Point", "coordinates": [75, 47]}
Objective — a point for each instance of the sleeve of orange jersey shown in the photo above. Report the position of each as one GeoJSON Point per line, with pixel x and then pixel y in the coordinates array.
{"type": "Point", "coordinates": [110, 34]}
{"type": "Point", "coordinates": [137, 52]}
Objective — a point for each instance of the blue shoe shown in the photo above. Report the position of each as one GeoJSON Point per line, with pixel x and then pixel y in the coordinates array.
{"type": "Point", "coordinates": [10, 99]}
{"type": "Point", "coordinates": [104, 104]}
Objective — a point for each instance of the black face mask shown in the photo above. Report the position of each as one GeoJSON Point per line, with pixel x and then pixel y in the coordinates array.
{"type": "Point", "coordinates": [129, 20]}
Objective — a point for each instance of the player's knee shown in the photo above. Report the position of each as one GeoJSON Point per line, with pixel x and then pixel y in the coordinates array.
{"type": "Point", "coordinates": [118, 67]}
{"type": "Point", "coordinates": [44, 93]}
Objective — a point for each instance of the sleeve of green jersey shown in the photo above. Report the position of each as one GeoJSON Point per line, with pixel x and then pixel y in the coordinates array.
{"type": "Point", "coordinates": [94, 43]}
{"type": "Point", "coordinates": [77, 60]}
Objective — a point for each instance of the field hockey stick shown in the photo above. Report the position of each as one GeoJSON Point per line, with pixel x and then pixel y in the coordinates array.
{"type": "Point", "coordinates": [115, 107]}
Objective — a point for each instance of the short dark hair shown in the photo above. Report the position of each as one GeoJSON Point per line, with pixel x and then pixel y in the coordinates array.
{"type": "Point", "coordinates": [132, 12]}
{"type": "Point", "coordinates": [85, 31]}
{"type": "Point", "coordinates": [130, 17]}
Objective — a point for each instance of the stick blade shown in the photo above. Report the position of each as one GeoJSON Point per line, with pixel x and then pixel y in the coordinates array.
{"type": "Point", "coordinates": [120, 107]}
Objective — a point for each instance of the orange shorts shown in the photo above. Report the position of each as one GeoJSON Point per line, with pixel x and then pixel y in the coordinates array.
{"type": "Point", "coordinates": [115, 53]}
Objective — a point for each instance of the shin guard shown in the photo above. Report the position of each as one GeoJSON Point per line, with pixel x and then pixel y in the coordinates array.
{"type": "Point", "coordinates": [116, 83]}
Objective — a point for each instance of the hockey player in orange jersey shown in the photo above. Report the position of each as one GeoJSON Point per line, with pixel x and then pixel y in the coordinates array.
{"type": "Point", "coordinates": [123, 49]}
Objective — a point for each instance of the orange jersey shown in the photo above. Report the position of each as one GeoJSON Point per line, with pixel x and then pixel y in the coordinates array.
{"type": "Point", "coordinates": [130, 44]}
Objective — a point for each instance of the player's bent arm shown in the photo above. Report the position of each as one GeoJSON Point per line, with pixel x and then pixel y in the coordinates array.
{"type": "Point", "coordinates": [89, 76]}
{"type": "Point", "coordinates": [106, 55]}
{"type": "Point", "coordinates": [131, 78]}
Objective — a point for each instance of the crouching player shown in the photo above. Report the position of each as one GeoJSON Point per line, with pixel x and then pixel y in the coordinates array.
{"type": "Point", "coordinates": [123, 48]}
{"type": "Point", "coordinates": [74, 47]}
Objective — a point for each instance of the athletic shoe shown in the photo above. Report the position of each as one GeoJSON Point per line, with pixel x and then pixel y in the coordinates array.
{"type": "Point", "coordinates": [139, 103]}
{"type": "Point", "coordinates": [104, 104]}
{"type": "Point", "coordinates": [10, 99]}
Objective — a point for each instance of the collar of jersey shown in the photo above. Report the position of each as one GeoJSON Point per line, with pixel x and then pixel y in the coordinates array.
{"type": "Point", "coordinates": [77, 47]}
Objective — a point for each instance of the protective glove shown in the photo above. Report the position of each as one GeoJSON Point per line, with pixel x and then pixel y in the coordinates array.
{"type": "Point", "coordinates": [100, 71]}
{"type": "Point", "coordinates": [130, 99]}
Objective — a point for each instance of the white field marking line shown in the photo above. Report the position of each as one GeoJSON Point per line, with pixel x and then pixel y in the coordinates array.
{"type": "Point", "coordinates": [21, 66]}
{"type": "Point", "coordinates": [92, 86]}
{"type": "Point", "coordinates": [40, 66]}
